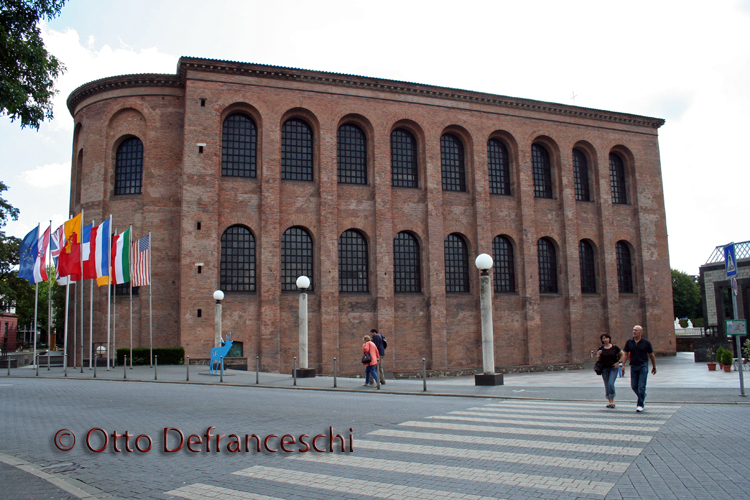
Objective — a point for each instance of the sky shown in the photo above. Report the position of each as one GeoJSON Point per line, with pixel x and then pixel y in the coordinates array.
{"type": "Point", "coordinates": [686, 61]}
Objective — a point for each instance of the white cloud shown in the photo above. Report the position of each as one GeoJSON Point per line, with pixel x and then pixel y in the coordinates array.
{"type": "Point", "coordinates": [46, 176]}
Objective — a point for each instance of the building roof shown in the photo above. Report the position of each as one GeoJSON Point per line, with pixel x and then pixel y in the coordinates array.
{"type": "Point", "coordinates": [741, 251]}
{"type": "Point", "coordinates": [186, 64]}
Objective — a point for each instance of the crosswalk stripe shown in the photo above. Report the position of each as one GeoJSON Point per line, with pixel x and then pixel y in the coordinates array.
{"type": "Point", "coordinates": [536, 416]}
{"type": "Point", "coordinates": [207, 492]}
{"type": "Point", "coordinates": [638, 438]}
{"type": "Point", "coordinates": [603, 414]}
{"type": "Point", "coordinates": [463, 473]}
{"type": "Point", "coordinates": [604, 425]}
{"type": "Point", "coordinates": [515, 403]}
{"type": "Point", "coordinates": [520, 443]}
{"type": "Point", "coordinates": [352, 486]}
{"type": "Point", "coordinates": [496, 456]}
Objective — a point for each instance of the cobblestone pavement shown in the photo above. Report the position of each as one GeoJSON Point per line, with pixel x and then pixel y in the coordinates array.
{"type": "Point", "coordinates": [404, 446]}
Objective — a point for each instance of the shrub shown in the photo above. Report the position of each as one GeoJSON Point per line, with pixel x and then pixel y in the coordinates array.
{"type": "Point", "coordinates": [726, 357]}
{"type": "Point", "coordinates": [746, 349]}
{"type": "Point", "coordinates": [711, 355]}
{"type": "Point", "coordinates": [166, 355]}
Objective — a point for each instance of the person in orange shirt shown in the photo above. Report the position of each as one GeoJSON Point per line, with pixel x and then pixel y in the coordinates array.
{"type": "Point", "coordinates": [370, 368]}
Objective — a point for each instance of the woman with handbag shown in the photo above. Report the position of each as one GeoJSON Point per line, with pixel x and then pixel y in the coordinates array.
{"type": "Point", "coordinates": [370, 360]}
{"type": "Point", "coordinates": [610, 357]}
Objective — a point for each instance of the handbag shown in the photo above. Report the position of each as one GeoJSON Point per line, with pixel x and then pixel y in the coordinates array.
{"type": "Point", "coordinates": [598, 367]}
{"type": "Point", "coordinates": [366, 358]}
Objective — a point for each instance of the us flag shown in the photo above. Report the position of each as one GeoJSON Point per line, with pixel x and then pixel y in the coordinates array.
{"type": "Point", "coordinates": [140, 261]}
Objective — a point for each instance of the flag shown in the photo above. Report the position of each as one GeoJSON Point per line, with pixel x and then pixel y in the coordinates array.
{"type": "Point", "coordinates": [57, 243]}
{"type": "Point", "coordinates": [139, 262]}
{"type": "Point", "coordinates": [121, 258]}
{"type": "Point", "coordinates": [33, 255]}
{"type": "Point", "coordinates": [89, 264]}
{"type": "Point", "coordinates": [100, 248]}
{"type": "Point", "coordinates": [70, 256]}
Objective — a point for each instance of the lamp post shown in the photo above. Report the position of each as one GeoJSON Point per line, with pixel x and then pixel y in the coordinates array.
{"type": "Point", "coordinates": [488, 375]}
{"type": "Point", "coordinates": [218, 297]}
{"type": "Point", "coordinates": [303, 283]}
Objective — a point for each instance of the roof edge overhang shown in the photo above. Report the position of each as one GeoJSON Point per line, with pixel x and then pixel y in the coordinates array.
{"type": "Point", "coordinates": [186, 64]}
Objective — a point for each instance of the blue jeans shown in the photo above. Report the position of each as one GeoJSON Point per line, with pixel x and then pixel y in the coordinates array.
{"type": "Point", "coordinates": [371, 370]}
{"type": "Point", "coordinates": [609, 375]}
{"type": "Point", "coordinates": [638, 377]}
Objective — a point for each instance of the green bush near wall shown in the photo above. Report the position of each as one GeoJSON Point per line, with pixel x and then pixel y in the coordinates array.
{"type": "Point", "coordinates": [166, 355]}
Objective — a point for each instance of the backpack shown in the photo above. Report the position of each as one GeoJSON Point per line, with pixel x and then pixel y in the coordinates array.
{"type": "Point", "coordinates": [385, 343]}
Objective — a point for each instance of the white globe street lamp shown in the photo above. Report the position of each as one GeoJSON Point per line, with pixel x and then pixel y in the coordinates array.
{"type": "Point", "coordinates": [218, 297]}
{"type": "Point", "coordinates": [303, 283]}
{"type": "Point", "coordinates": [483, 262]}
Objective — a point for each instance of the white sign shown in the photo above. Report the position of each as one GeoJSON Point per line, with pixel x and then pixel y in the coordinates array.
{"type": "Point", "coordinates": [736, 326]}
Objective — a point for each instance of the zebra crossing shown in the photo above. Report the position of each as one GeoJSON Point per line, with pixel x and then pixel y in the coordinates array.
{"type": "Point", "coordinates": [503, 449]}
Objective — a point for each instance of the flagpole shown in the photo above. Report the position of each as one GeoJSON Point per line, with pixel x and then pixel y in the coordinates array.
{"type": "Point", "coordinates": [109, 288]}
{"type": "Point", "coordinates": [65, 341]}
{"type": "Point", "coordinates": [114, 307]}
{"type": "Point", "coordinates": [91, 306]}
{"type": "Point", "coordinates": [49, 291]}
{"type": "Point", "coordinates": [75, 321]}
{"type": "Point", "coordinates": [80, 253]}
{"type": "Point", "coordinates": [130, 280]}
{"type": "Point", "coordinates": [150, 310]}
{"type": "Point", "coordinates": [36, 299]}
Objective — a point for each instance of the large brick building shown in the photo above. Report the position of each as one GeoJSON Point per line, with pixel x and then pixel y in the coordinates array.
{"type": "Point", "coordinates": [383, 192]}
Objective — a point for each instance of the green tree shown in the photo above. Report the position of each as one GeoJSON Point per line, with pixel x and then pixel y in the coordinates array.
{"type": "Point", "coordinates": [27, 70]}
{"type": "Point", "coordinates": [686, 295]}
{"type": "Point", "coordinates": [9, 252]}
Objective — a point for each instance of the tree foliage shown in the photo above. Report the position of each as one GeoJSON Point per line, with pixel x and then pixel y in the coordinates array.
{"type": "Point", "coordinates": [9, 252]}
{"type": "Point", "coordinates": [27, 70]}
{"type": "Point", "coordinates": [686, 295]}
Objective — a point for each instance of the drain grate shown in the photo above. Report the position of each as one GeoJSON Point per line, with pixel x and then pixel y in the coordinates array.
{"type": "Point", "coordinates": [53, 469]}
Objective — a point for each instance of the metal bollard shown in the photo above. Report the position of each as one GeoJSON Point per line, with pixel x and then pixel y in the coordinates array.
{"type": "Point", "coordinates": [257, 368]}
{"type": "Point", "coordinates": [187, 364]}
{"type": "Point", "coordinates": [37, 365]}
{"type": "Point", "coordinates": [221, 377]}
{"type": "Point", "coordinates": [294, 370]}
{"type": "Point", "coordinates": [125, 367]}
{"type": "Point", "coordinates": [156, 363]}
{"type": "Point", "coordinates": [7, 357]}
{"type": "Point", "coordinates": [424, 376]}
{"type": "Point", "coordinates": [48, 356]}
{"type": "Point", "coordinates": [377, 371]}
{"type": "Point", "coordinates": [95, 363]}
{"type": "Point", "coordinates": [334, 372]}
{"type": "Point", "coordinates": [65, 362]}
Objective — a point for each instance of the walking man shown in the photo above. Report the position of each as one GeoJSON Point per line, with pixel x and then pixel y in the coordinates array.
{"type": "Point", "coordinates": [639, 351]}
{"type": "Point", "coordinates": [381, 344]}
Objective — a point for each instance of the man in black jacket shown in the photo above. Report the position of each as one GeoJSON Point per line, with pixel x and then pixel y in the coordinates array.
{"type": "Point", "coordinates": [380, 343]}
{"type": "Point", "coordinates": [639, 351]}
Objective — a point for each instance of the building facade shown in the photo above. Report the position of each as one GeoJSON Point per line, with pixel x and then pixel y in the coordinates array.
{"type": "Point", "coordinates": [383, 193]}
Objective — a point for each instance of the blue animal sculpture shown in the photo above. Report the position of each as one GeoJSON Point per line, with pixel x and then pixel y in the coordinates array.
{"type": "Point", "coordinates": [219, 352]}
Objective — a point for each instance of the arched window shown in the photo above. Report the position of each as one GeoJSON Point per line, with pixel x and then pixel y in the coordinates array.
{"type": "Point", "coordinates": [129, 167]}
{"type": "Point", "coordinates": [296, 258]}
{"type": "Point", "coordinates": [624, 268]}
{"type": "Point", "coordinates": [237, 272]}
{"type": "Point", "coordinates": [581, 175]}
{"type": "Point", "coordinates": [542, 171]}
{"type": "Point", "coordinates": [452, 158]}
{"type": "Point", "coordinates": [238, 146]}
{"type": "Point", "coordinates": [456, 264]}
{"type": "Point", "coordinates": [406, 273]}
{"type": "Point", "coordinates": [617, 179]}
{"type": "Point", "coordinates": [296, 151]}
{"type": "Point", "coordinates": [404, 171]}
{"type": "Point", "coordinates": [352, 155]}
{"type": "Point", "coordinates": [504, 267]}
{"type": "Point", "coordinates": [588, 271]}
{"type": "Point", "coordinates": [498, 164]}
{"type": "Point", "coordinates": [547, 266]}
{"type": "Point", "coordinates": [353, 263]}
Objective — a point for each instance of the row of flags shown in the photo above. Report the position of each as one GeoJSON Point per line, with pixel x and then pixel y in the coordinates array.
{"type": "Point", "coordinates": [86, 252]}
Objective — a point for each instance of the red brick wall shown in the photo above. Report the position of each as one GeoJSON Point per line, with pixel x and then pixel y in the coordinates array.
{"type": "Point", "coordinates": [182, 186]}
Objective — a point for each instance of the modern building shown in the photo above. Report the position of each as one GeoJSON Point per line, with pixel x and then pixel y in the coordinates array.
{"type": "Point", "coordinates": [383, 193]}
{"type": "Point", "coordinates": [716, 288]}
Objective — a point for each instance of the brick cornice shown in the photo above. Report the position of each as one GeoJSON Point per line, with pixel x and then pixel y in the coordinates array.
{"type": "Point", "coordinates": [186, 64]}
{"type": "Point", "coordinates": [121, 82]}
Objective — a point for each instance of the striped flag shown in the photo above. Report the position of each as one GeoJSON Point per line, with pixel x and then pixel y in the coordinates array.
{"type": "Point", "coordinates": [121, 258]}
{"type": "Point", "coordinates": [57, 243]}
{"type": "Point", "coordinates": [100, 245]}
{"type": "Point", "coordinates": [140, 261]}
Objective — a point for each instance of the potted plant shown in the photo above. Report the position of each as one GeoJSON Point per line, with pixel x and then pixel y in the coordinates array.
{"type": "Point", "coordinates": [726, 360]}
{"type": "Point", "coordinates": [711, 359]}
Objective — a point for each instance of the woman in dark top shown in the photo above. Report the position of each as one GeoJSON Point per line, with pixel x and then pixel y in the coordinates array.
{"type": "Point", "coordinates": [612, 358]}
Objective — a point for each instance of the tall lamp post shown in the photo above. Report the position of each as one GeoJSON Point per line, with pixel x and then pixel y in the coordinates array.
{"type": "Point", "coordinates": [303, 283]}
{"type": "Point", "coordinates": [488, 375]}
{"type": "Point", "coordinates": [218, 297]}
